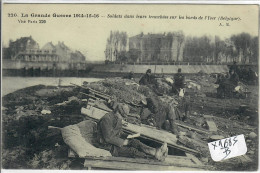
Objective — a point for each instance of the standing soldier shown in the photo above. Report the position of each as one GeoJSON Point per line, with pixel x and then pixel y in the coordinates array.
{"type": "Point", "coordinates": [233, 67]}
{"type": "Point", "coordinates": [252, 77]}
{"type": "Point", "coordinates": [179, 80]}
{"type": "Point", "coordinates": [234, 79]}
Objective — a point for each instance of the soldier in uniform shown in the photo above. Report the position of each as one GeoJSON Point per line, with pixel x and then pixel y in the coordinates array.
{"type": "Point", "coordinates": [146, 79]}
{"type": "Point", "coordinates": [130, 75]}
{"type": "Point", "coordinates": [110, 134]}
{"type": "Point", "coordinates": [234, 67]}
{"type": "Point", "coordinates": [164, 115]}
{"type": "Point", "coordinates": [252, 77]}
{"type": "Point", "coordinates": [179, 80]}
{"type": "Point", "coordinates": [234, 79]}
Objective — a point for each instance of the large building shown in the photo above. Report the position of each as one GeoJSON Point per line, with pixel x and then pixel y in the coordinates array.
{"type": "Point", "coordinates": [116, 46]}
{"type": "Point", "coordinates": [157, 47]}
{"type": "Point", "coordinates": [27, 49]}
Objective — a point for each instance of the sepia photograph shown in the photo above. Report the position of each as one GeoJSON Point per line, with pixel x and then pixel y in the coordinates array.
{"type": "Point", "coordinates": [113, 86]}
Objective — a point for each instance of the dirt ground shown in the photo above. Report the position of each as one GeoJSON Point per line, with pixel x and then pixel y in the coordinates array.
{"type": "Point", "coordinates": [27, 113]}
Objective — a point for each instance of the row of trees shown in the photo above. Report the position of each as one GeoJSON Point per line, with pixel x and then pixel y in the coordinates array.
{"type": "Point", "coordinates": [240, 47]}
{"type": "Point", "coordinates": [247, 45]}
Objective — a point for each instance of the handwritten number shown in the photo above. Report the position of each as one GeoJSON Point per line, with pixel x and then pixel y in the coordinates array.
{"type": "Point", "coordinates": [234, 139]}
{"type": "Point", "coordinates": [230, 142]}
{"type": "Point", "coordinates": [226, 144]}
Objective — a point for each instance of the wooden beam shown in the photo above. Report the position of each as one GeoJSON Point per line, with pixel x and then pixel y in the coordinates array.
{"type": "Point", "coordinates": [195, 159]}
{"type": "Point", "coordinates": [192, 128]}
{"type": "Point", "coordinates": [170, 162]}
{"type": "Point", "coordinates": [118, 165]}
{"type": "Point", "coordinates": [212, 126]}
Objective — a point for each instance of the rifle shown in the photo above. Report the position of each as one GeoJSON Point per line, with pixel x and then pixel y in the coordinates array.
{"type": "Point", "coordinates": [96, 93]}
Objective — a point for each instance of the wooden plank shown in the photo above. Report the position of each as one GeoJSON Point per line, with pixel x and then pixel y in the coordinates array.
{"type": "Point", "coordinates": [170, 159]}
{"type": "Point", "coordinates": [195, 159]}
{"type": "Point", "coordinates": [192, 128]}
{"type": "Point", "coordinates": [132, 166]}
{"type": "Point", "coordinates": [195, 144]}
{"type": "Point", "coordinates": [101, 106]}
{"type": "Point", "coordinates": [180, 160]}
{"type": "Point", "coordinates": [212, 126]}
{"type": "Point", "coordinates": [146, 132]}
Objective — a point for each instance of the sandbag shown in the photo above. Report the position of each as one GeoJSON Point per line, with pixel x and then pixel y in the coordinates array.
{"type": "Point", "coordinates": [74, 137]}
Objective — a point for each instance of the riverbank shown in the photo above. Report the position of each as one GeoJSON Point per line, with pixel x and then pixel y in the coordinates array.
{"type": "Point", "coordinates": [27, 113]}
{"type": "Point", "coordinates": [99, 70]}
{"type": "Point", "coordinates": [11, 84]}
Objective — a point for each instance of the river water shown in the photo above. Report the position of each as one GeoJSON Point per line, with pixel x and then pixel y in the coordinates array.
{"type": "Point", "coordinates": [11, 84]}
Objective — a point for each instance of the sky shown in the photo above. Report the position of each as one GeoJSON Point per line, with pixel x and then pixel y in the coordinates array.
{"type": "Point", "coordinates": [89, 35]}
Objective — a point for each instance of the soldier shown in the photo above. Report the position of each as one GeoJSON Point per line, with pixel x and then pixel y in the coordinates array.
{"type": "Point", "coordinates": [221, 80]}
{"type": "Point", "coordinates": [146, 79]}
{"type": "Point", "coordinates": [179, 80]}
{"type": "Point", "coordinates": [164, 114]}
{"type": "Point", "coordinates": [233, 67]}
{"type": "Point", "coordinates": [234, 78]}
{"type": "Point", "coordinates": [252, 77]}
{"type": "Point", "coordinates": [110, 133]}
{"type": "Point", "coordinates": [130, 75]}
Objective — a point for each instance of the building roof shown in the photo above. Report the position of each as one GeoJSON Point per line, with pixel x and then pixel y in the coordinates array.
{"type": "Point", "coordinates": [24, 41]}
{"type": "Point", "coordinates": [150, 35]}
{"type": "Point", "coordinates": [48, 46]}
{"type": "Point", "coordinates": [62, 46]}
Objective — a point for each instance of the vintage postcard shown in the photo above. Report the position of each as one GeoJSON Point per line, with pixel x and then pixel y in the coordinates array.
{"type": "Point", "coordinates": [130, 86]}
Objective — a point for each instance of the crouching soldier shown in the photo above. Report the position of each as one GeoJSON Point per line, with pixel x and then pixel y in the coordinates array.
{"type": "Point", "coordinates": [164, 115]}
{"type": "Point", "coordinates": [110, 133]}
{"type": "Point", "coordinates": [147, 78]}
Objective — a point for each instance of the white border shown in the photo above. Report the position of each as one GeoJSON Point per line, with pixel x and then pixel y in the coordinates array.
{"type": "Point", "coordinates": [136, 1]}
